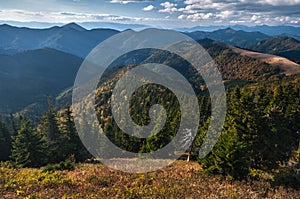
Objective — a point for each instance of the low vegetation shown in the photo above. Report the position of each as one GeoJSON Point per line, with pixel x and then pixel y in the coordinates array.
{"type": "Point", "coordinates": [180, 180]}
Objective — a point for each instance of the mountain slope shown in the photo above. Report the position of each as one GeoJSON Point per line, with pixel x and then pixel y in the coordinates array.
{"type": "Point", "coordinates": [233, 66]}
{"type": "Point", "coordinates": [285, 65]}
{"type": "Point", "coordinates": [70, 38]}
{"type": "Point", "coordinates": [30, 76]}
{"type": "Point", "coordinates": [283, 46]}
{"type": "Point", "coordinates": [49, 72]}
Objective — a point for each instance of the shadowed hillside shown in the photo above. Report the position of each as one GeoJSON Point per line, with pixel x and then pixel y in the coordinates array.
{"type": "Point", "coordinates": [31, 76]}
{"type": "Point", "coordinates": [282, 46]}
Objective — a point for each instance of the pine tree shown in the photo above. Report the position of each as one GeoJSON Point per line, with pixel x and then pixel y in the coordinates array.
{"type": "Point", "coordinates": [261, 131]}
{"type": "Point", "coordinates": [157, 141]}
{"type": "Point", "coordinates": [28, 148]}
{"type": "Point", "coordinates": [5, 142]}
{"type": "Point", "coordinates": [73, 146]}
{"type": "Point", "coordinates": [232, 153]}
{"type": "Point", "coordinates": [55, 142]}
{"type": "Point", "coordinates": [14, 128]}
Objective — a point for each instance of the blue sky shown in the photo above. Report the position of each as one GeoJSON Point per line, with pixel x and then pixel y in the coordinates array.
{"type": "Point", "coordinates": [162, 13]}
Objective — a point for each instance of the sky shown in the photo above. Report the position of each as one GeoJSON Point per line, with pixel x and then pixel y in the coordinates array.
{"type": "Point", "coordinates": [157, 13]}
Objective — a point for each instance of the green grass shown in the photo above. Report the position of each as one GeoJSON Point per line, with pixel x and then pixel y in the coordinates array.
{"type": "Point", "coordinates": [180, 180]}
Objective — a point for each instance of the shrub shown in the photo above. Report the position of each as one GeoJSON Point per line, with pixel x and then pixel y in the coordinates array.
{"type": "Point", "coordinates": [65, 165]}
{"type": "Point", "coordinates": [288, 177]}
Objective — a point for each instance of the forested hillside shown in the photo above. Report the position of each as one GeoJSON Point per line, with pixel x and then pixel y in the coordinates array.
{"type": "Point", "coordinates": [256, 114]}
{"type": "Point", "coordinates": [256, 156]}
{"type": "Point", "coordinates": [283, 46]}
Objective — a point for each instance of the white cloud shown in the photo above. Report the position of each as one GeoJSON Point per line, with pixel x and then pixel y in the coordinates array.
{"type": "Point", "coordinates": [121, 2]}
{"type": "Point", "coordinates": [271, 12]}
{"type": "Point", "coordinates": [181, 17]}
{"type": "Point", "coordinates": [197, 2]}
{"type": "Point", "coordinates": [128, 1]}
{"type": "Point", "coordinates": [200, 6]}
{"type": "Point", "coordinates": [282, 19]}
{"type": "Point", "coordinates": [168, 7]}
{"type": "Point", "coordinates": [239, 11]}
{"type": "Point", "coordinates": [148, 8]}
{"type": "Point", "coordinates": [237, 21]}
{"type": "Point", "coordinates": [199, 16]}
{"type": "Point", "coordinates": [276, 2]}
{"type": "Point", "coordinates": [67, 17]}
{"type": "Point", "coordinates": [64, 17]}
{"type": "Point", "coordinates": [225, 14]}
{"type": "Point", "coordinates": [255, 18]}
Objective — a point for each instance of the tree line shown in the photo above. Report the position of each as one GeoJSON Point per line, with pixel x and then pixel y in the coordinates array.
{"type": "Point", "coordinates": [261, 130]}
{"type": "Point", "coordinates": [54, 140]}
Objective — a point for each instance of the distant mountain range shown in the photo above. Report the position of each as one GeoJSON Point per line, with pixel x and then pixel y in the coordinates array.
{"type": "Point", "coordinates": [265, 29]}
{"type": "Point", "coordinates": [229, 36]}
{"type": "Point", "coordinates": [70, 38]}
{"type": "Point", "coordinates": [86, 25]}
{"type": "Point", "coordinates": [36, 63]}
{"type": "Point", "coordinates": [268, 30]}
{"type": "Point", "coordinates": [73, 38]}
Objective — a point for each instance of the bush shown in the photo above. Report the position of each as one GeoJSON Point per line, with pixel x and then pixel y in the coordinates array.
{"type": "Point", "coordinates": [288, 177]}
{"type": "Point", "coordinates": [8, 165]}
{"type": "Point", "coordinates": [65, 165]}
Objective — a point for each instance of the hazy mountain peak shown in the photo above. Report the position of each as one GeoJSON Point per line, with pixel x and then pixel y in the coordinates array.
{"type": "Point", "coordinates": [229, 29]}
{"type": "Point", "coordinates": [5, 26]}
{"type": "Point", "coordinates": [74, 26]}
{"type": "Point", "coordinates": [226, 30]}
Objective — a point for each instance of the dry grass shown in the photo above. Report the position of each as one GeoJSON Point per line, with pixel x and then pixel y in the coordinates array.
{"type": "Point", "coordinates": [287, 66]}
{"type": "Point", "coordinates": [180, 180]}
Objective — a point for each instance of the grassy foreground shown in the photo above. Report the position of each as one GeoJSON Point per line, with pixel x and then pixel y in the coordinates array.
{"type": "Point", "coordinates": [180, 180]}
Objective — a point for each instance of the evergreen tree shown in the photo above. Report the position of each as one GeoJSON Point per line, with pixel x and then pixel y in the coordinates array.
{"type": "Point", "coordinates": [261, 131]}
{"type": "Point", "coordinates": [231, 155]}
{"type": "Point", "coordinates": [73, 146]}
{"type": "Point", "coordinates": [28, 148]}
{"type": "Point", "coordinates": [14, 129]}
{"type": "Point", "coordinates": [5, 142]}
{"type": "Point", "coordinates": [55, 142]}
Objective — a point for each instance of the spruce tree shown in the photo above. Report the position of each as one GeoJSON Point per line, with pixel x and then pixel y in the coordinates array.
{"type": "Point", "coordinates": [28, 148]}
{"type": "Point", "coordinates": [5, 142]}
{"type": "Point", "coordinates": [73, 146]}
{"type": "Point", "coordinates": [51, 134]}
{"type": "Point", "coordinates": [231, 154]}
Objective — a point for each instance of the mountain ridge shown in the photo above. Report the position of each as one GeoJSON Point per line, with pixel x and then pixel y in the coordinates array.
{"type": "Point", "coordinates": [70, 38]}
{"type": "Point", "coordinates": [282, 46]}
{"type": "Point", "coordinates": [56, 44]}
{"type": "Point", "coordinates": [230, 36]}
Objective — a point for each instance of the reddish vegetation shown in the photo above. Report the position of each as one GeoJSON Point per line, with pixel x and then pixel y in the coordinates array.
{"type": "Point", "coordinates": [180, 180]}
